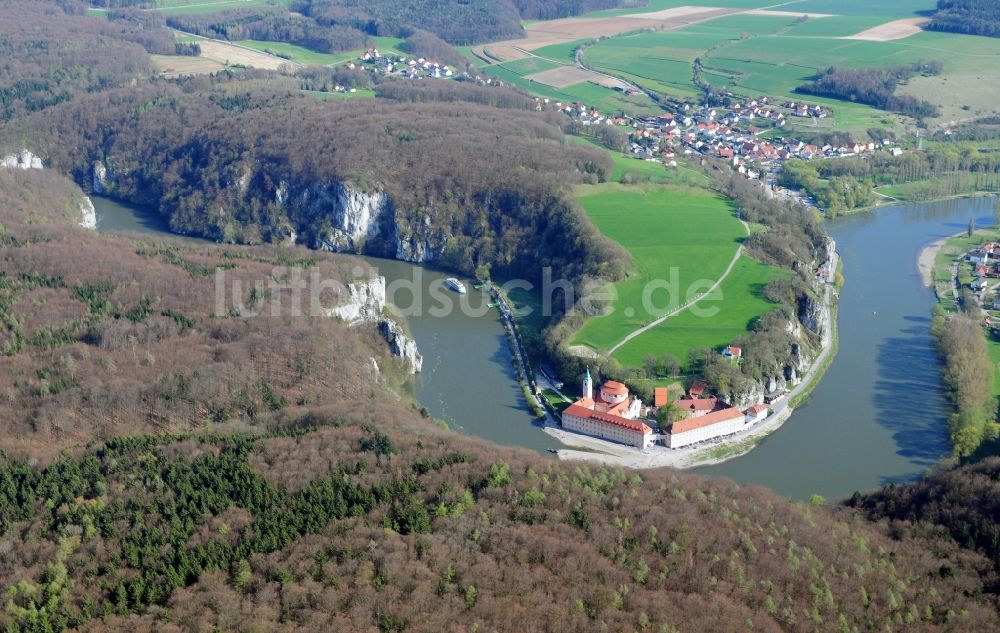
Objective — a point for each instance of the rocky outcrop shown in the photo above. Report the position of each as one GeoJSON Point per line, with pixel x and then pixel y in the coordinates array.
{"type": "Point", "coordinates": [401, 345]}
{"type": "Point", "coordinates": [364, 303]}
{"type": "Point", "coordinates": [355, 221]}
{"type": "Point", "coordinates": [104, 178]}
{"type": "Point", "coordinates": [814, 315]}
{"type": "Point", "coordinates": [88, 216]}
{"type": "Point", "coordinates": [23, 160]}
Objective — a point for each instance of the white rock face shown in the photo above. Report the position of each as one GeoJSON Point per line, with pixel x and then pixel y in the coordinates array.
{"type": "Point", "coordinates": [357, 217]}
{"type": "Point", "coordinates": [104, 178]}
{"type": "Point", "coordinates": [354, 216]}
{"type": "Point", "coordinates": [365, 302]}
{"type": "Point", "coordinates": [88, 216]}
{"type": "Point", "coordinates": [401, 345]}
{"type": "Point", "coordinates": [24, 160]}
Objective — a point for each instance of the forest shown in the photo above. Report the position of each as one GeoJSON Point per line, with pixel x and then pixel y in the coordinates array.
{"type": "Point", "coordinates": [274, 24]}
{"type": "Point", "coordinates": [182, 149]}
{"type": "Point", "coordinates": [167, 468]}
{"type": "Point", "coordinates": [834, 194]}
{"type": "Point", "coordinates": [968, 377]}
{"type": "Point", "coordinates": [72, 55]}
{"type": "Point", "coordinates": [971, 17]}
{"type": "Point", "coordinates": [875, 87]}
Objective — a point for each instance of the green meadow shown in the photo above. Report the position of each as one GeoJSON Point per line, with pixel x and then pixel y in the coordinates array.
{"type": "Point", "coordinates": [738, 301]}
{"type": "Point", "coordinates": [648, 171]}
{"type": "Point", "coordinates": [665, 228]}
{"type": "Point", "coordinates": [295, 53]}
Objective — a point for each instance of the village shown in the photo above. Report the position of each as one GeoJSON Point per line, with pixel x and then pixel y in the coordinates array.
{"type": "Point", "coordinates": [735, 134]}
{"type": "Point", "coordinates": [744, 134]}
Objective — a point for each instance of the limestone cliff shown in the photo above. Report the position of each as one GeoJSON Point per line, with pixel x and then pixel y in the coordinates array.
{"type": "Point", "coordinates": [341, 218]}
{"type": "Point", "coordinates": [104, 178]}
{"type": "Point", "coordinates": [88, 215]}
{"type": "Point", "coordinates": [401, 345]}
{"type": "Point", "coordinates": [365, 303]}
{"type": "Point", "coordinates": [22, 160]}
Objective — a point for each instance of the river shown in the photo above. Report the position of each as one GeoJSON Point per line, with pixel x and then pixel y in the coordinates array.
{"type": "Point", "coordinates": [468, 377]}
{"type": "Point", "coordinates": [877, 416]}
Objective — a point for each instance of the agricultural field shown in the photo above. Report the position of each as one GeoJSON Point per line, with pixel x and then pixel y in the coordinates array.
{"type": "Point", "coordinates": [234, 55]}
{"type": "Point", "coordinates": [339, 96]}
{"type": "Point", "coordinates": [673, 233]}
{"type": "Point", "coordinates": [296, 53]}
{"type": "Point", "coordinates": [182, 65]}
{"type": "Point", "coordinates": [739, 301]}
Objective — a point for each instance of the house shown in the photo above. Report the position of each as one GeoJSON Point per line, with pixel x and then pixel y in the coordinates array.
{"type": "Point", "coordinates": [732, 352]}
{"type": "Point", "coordinates": [979, 256]}
{"type": "Point", "coordinates": [756, 413]}
{"type": "Point", "coordinates": [696, 407]}
{"type": "Point", "coordinates": [996, 301]}
{"type": "Point", "coordinates": [716, 424]}
{"type": "Point", "coordinates": [697, 389]}
{"type": "Point", "coordinates": [659, 397]}
{"type": "Point", "coordinates": [979, 284]}
{"type": "Point", "coordinates": [609, 413]}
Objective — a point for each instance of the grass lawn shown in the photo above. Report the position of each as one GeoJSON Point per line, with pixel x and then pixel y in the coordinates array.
{"type": "Point", "coordinates": [323, 96]}
{"type": "Point", "coordinates": [993, 348]}
{"type": "Point", "coordinates": [739, 303]}
{"type": "Point", "coordinates": [672, 233]}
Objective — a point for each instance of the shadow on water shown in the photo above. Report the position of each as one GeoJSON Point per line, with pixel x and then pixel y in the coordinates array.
{"type": "Point", "coordinates": [906, 392]}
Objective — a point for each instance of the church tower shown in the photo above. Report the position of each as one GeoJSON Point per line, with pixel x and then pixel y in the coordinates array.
{"type": "Point", "coordinates": [588, 385]}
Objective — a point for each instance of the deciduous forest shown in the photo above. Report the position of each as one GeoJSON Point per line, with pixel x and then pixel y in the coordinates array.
{"type": "Point", "coordinates": [169, 466]}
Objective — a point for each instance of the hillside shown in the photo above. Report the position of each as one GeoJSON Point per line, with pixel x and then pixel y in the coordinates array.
{"type": "Point", "coordinates": [961, 505]}
{"type": "Point", "coordinates": [315, 498]}
{"type": "Point", "coordinates": [397, 178]}
{"type": "Point", "coordinates": [972, 17]}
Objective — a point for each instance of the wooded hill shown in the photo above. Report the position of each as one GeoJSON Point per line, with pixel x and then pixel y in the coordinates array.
{"type": "Point", "coordinates": [972, 17]}
{"type": "Point", "coordinates": [315, 499]}
{"type": "Point", "coordinates": [485, 185]}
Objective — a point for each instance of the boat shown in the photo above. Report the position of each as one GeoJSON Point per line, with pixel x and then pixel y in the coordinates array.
{"type": "Point", "coordinates": [455, 285]}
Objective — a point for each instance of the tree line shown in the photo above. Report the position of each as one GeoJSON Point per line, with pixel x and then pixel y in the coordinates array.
{"type": "Point", "coordinates": [875, 87]}
{"type": "Point", "coordinates": [970, 17]}
{"type": "Point", "coordinates": [968, 375]}
{"type": "Point", "coordinates": [273, 24]}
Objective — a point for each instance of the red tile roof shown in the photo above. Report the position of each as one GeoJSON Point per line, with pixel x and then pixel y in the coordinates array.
{"type": "Point", "coordinates": [583, 412]}
{"type": "Point", "coordinates": [697, 404]}
{"type": "Point", "coordinates": [757, 408]}
{"type": "Point", "coordinates": [659, 396]}
{"type": "Point", "coordinates": [697, 388]}
{"type": "Point", "coordinates": [715, 417]}
{"type": "Point", "coordinates": [614, 387]}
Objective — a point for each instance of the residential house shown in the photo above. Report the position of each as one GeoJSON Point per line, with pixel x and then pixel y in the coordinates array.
{"type": "Point", "coordinates": [756, 413]}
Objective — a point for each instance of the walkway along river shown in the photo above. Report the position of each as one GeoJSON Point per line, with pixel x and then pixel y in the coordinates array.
{"type": "Point", "coordinates": [877, 416]}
